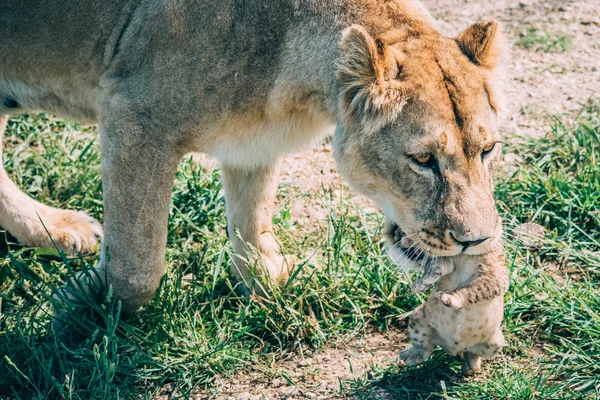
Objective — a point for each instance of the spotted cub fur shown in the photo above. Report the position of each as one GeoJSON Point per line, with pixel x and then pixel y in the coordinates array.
{"type": "Point", "coordinates": [464, 314]}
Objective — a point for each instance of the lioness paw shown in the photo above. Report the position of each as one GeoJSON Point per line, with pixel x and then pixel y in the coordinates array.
{"type": "Point", "coordinates": [279, 267]}
{"type": "Point", "coordinates": [449, 300]}
{"type": "Point", "coordinates": [274, 266]}
{"type": "Point", "coordinates": [73, 232]}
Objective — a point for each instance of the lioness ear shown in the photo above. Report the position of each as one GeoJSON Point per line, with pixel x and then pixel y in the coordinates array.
{"type": "Point", "coordinates": [483, 43]}
{"type": "Point", "coordinates": [367, 71]}
{"type": "Point", "coordinates": [485, 46]}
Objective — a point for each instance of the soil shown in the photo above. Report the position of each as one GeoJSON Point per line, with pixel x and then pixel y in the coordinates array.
{"type": "Point", "coordinates": [313, 375]}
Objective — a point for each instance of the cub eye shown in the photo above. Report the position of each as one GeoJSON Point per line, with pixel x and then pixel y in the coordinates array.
{"type": "Point", "coordinates": [425, 160]}
{"type": "Point", "coordinates": [488, 149]}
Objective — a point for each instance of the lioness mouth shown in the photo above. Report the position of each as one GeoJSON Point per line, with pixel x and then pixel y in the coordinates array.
{"type": "Point", "coordinates": [404, 243]}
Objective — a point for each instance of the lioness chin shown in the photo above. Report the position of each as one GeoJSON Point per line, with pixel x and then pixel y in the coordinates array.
{"type": "Point", "coordinates": [414, 114]}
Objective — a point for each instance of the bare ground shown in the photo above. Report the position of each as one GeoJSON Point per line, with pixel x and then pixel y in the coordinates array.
{"type": "Point", "coordinates": [311, 375]}
{"type": "Point", "coordinates": [542, 81]}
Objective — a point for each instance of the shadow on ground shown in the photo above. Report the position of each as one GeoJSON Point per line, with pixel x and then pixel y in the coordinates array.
{"type": "Point", "coordinates": [428, 380]}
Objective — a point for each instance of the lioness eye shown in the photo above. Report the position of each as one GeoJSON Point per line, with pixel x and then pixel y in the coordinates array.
{"type": "Point", "coordinates": [424, 160]}
{"type": "Point", "coordinates": [488, 149]}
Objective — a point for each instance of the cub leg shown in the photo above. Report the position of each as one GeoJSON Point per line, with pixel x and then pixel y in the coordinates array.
{"type": "Point", "coordinates": [491, 348]}
{"type": "Point", "coordinates": [250, 196]}
{"type": "Point", "coordinates": [138, 169]}
{"type": "Point", "coordinates": [422, 337]}
{"type": "Point", "coordinates": [486, 350]}
{"type": "Point", "coordinates": [72, 231]}
{"type": "Point", "coordinates": [471, 363]}
{"type": "Point", "coordinates": [489, 282]}
{"type": "Point", "coordinates": [433, 270]}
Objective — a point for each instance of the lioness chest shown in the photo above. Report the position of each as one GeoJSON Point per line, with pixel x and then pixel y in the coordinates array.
{"type": "Point", "coordinates": [259, 137]}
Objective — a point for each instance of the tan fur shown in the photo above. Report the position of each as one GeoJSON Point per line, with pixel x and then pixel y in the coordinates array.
{"type": "Point", "coordinates": [464, 314]}
{"type": "Point", "coordinates": [440, 103]}
{"type": "Point", "coordinates": [39, 225]}
{"type": "Point", "coordinates": [247, 82]}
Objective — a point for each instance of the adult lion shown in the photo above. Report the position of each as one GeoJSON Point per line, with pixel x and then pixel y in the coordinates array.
{"type": "Point", "coordinates": [247, 81]}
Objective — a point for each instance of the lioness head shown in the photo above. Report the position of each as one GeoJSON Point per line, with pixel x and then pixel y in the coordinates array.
{"type": "Point", "coordinates": [418, 135]}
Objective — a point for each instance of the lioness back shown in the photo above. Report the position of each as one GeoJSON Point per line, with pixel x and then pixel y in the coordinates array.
{"type": "Point", "coordinates": [221, 74]}
{"type": "Point", "coordinates": [220, 58]}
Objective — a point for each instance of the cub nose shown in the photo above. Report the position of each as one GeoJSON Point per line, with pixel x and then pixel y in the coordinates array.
{"type": "Point", "coordinates": [468, 243]}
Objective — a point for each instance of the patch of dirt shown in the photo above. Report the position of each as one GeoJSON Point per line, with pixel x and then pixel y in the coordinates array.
{"type": "Point", "coordinates": [308, 375]}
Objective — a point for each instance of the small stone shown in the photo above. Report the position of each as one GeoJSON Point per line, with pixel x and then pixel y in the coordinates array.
{"type": "Point", "coordinates": [306, 362]}
{"type": "Point", "coordinates": [286, 391]}
{"type": "Point", "coordinates": [530, 234]}
{"type": "Point", "coordinates": [277, 382]}
{"type": "Point", "coordinates": [541, 296]}
{"type": "Point", "coordinates": [244, 396]}
{"type": "Point", "coordinates": [590, 21]}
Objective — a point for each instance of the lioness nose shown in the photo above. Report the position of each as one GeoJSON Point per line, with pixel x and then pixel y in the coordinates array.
{"type": "Point", "coordinates": [469, 243]}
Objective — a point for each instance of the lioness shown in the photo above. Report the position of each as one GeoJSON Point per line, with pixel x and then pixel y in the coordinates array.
{"type": "Point", "coordinates": [247, 81]}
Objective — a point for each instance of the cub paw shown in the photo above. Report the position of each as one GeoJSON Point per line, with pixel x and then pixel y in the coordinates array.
{"type": "Point", "coordinates": [412, 356]}
{"type": "Point", "coordinates": [471, 364]}
{"type": "Point", "coordinates": [449, 300]}
{"type": "Point", "coordinates": [420, 286]}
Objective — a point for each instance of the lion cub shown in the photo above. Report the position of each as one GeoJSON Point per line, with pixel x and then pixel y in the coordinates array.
{"type": "Point", "coordinates": [464, 314]}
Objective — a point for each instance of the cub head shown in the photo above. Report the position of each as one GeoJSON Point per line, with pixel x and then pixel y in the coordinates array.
{"type": "Point", "coordinates": [418, 134]}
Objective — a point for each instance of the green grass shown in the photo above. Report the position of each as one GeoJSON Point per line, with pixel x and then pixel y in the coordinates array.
{"type": "Point", "coordinates": [539, 40]}
{"type": "Point", "coordinates": [197, 329]}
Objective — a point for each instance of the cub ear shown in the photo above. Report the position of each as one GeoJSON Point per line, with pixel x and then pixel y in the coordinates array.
{"type": "Point", "coordinates": [368, 72]}
{"type": "Point", "coordinates": [484, 44]}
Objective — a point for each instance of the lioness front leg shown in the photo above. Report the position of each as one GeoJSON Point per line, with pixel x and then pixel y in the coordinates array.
{"type": "Point", "coordinates": [38, 225]}
{"type": "Point", "coordinates": [250, 196]}
{"type": "Point", "coordinates": [138, 169]}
